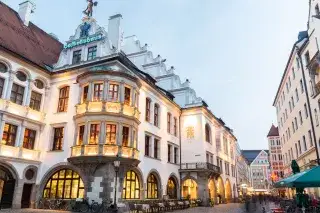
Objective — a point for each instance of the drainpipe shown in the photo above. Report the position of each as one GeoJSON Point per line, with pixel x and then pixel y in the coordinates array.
{"type": "Point", "coordinates": [308, 102]}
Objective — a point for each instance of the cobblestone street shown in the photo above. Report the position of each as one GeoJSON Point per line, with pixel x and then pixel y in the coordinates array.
{"type": "Point", "coordinates": [227, 208]}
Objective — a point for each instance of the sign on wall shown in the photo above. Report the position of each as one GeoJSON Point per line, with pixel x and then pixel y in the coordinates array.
{"type": "Point", "coordinates": [83, 41]}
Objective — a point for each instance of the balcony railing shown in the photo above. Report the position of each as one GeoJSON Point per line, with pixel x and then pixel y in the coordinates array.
{"type": "Point", "coordinates": [19, 152]}
{"type": "Point", "coordinates": [22, 111]}
{"type": "Point", "coordinates": [104, 150]}
{"type": "Point", "coordinates": [111, 107]}
{"type": "Point", "coordinates": [200, 166]}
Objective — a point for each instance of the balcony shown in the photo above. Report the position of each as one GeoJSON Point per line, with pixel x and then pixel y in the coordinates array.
{"type": "Point", "coordinates": [200, 167]}
{"type": "Point", "coordinates": [108, 107]}
{"type": "Point", "coordinates": [103, 153]}
{"type": "Point", "coordinates": [22, 111]}
{"type": "Point", "coordinates": [19, 153]}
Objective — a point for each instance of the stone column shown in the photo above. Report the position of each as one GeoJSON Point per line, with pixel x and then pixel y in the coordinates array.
{"type": "Point", "coordinates": [80, 94]}
{"type": "Point", "coordinates": [20, 134]}
{"type": "Point", "coordinates": [85, 136]}
{"type": "Point", "coordinates": [9, 85]}
{"type": "Point", "coordinates": [203, 190]}
{"type": "Point", "coordinates": [105, 90]}
{"type": "Point", "coordinates": [16, 203]}
{"type": "Point", "coordinates": [27, 93]}
{"type": "Point", "coordinates": [45, 101]}
{"type": "Point", "coordinates": [133, 89]}
{"type": "Point", "coordinates": [90, 91]}
{"type": "Point", "coordinates": [3, 122]}
{"type": "Point", "coordinates": [102, 138]}
{"type": "Point", "coordinates": [119, 139]}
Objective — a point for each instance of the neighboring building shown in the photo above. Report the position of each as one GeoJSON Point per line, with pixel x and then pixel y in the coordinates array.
{"type": "Point", "coordinates": [275, 156]}
{"type": "Point", "coordinates": [259, 170]}
{"type": "Point", "coordinates": [243, 173]}
{"type": "Point", "coordinates": [68, 112]}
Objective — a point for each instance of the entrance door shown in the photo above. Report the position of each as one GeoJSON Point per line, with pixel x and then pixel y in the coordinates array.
{"type": "Point", "coordinates": [26, 195]}
{"type": "Point", "coordinates": [7, 194]}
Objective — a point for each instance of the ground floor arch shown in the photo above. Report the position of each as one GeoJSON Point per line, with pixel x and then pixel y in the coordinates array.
{"type": "Point", "coordinates": [212, 189]}
{"type": "Point", "coordinates": [172, 188]}
{"type": "Point", "coordinates": [228, 191]}
{"type": "Point", "coordinates": [190, 189]}
{"type": "Point", "coordinates": [7, 186]}
{"type": "Point", "coordinates": [220, 190]}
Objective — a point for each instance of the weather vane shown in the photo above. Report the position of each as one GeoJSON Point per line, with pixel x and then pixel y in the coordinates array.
{"type": "Point", "coordinates": [89, 10]}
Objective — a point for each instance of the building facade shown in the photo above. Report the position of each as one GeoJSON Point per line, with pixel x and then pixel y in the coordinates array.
{"type": "Point", "coordinates": [259, 170]}
{"type": "Point", "coordinates": [275, 156]}
{"type": "Point", "coordinates": [70, 112]}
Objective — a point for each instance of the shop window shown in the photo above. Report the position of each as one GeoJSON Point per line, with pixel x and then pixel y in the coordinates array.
{"type": "Point", "coordinates": [131, 186]}
{"type": "Point", "coordinates": [152, 187]}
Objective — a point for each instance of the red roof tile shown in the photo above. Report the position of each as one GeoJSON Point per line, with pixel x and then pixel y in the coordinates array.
{"type": "Point", "coordinates": [30, 42]}
{"type": "Point", "coordinates": [273, 131]}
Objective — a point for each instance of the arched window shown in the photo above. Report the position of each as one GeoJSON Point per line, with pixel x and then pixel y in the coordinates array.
{"type": "Point", "coordinates": [152, 187]}
{"type": "Point", "coordinates": [21, 76]}
{"type": "Point", "coordinates": [64, 184]}
{"type": "Point", "coordinates": [39, 84]}
{"type": "Point", "coordinates": [3, 68]}
{"type": "Point", "coordinates": [208, 133]}
{"type": "Point", "coordinates": [131, 186]}
{"type": "Point", "coordinates": [172, 188]}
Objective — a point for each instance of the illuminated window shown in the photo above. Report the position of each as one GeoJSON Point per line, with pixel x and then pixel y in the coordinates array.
{"type": "Point", "coordinates": [152, 187]}
{"type": "Point", "coordinates": [80, 135]}
{"type": "Point", "coordinates": [64, 184]}
{"type": "Point", "coordinates": [94, 133]}
{"type": "Point", "coordinates": [17, 93]}
{"type": "Point", "coordinates": [63, 99]}
{"type": "Point", "coordinates": [131, 186]}
{"type": "Point", "coordinates": [97, 92]}
{"type": "Point", "coordinates": [127, 96]}
{"type": "Point", "coordinates": [172, 188]}
{"type": "Point", "coordinates": [35, 101]}
{"type": "Point", "coordinates": [92, 53]}
{"type": "Point", "coordinates": [156, 115]}
{"type": "Point", "coordinates": [111, 134]}
{"type": "Point", "coordinates": [9, 134]}
{"type": "Point", "coordinates": [125, 136]}
{"type": "Point", "coordinates": [113, 92]}
{"type": "Point", "coordinates": [58, 138]}
{"type": "Point", "coordinates": [29, 139]}
{"type": "Point", "coordinates": [85, 93]}
{"type": "Point", "coordinates": [208, 133]}
{"type": "Point", "coordinates": [148, 105]}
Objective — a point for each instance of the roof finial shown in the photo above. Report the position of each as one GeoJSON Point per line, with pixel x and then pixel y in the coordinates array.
{"type": "Point", "coordinates": [89, 10]}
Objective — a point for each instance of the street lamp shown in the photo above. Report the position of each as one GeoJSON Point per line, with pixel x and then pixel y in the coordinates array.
{"type": "Point", "coordinates": [116, 164]}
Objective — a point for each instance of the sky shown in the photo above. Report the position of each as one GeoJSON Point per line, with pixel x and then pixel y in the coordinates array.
{"type": "Point", "coordinates": [233, 52]}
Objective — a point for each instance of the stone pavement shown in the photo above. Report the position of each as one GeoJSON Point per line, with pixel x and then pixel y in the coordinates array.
{"type": "Point", "coordinates": [223, 208]}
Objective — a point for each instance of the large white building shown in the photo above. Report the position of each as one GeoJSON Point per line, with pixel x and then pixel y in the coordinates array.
{"type": "Point", "coordinates": [69, 111]}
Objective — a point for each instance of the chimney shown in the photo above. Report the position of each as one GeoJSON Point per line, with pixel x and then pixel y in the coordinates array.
{"type": "Point", "coordinates": [25, 10]}
{"type": "Point", "coordinates": [114, 31]}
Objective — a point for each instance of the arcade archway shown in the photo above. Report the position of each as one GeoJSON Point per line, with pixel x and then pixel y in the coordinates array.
{"type": "Point", "coordinates": [228, 191]}
{"type": "Point", "coordinates": [220, 190]}
{"type": "Point", "coordinates": [212, 189]}
{"type": "Point", "coordinates": [190, 189]}
{"type": "Point", "coordinates": [7, 185]}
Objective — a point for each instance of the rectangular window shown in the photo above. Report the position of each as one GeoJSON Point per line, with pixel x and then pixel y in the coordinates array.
{"type": "Point", "coordinates": [297, 154]}
{"type": "Point", "coordinates": [9, 134]}
{"type": "Point", "coordinates": [297, 95]}
{"type": "Point", "coordinates": [290, 106]}
{"type": "Point", "coordinates": [147, 146]}
{"type": "Point", "coordinates": [148, 106]}
{"type": "Point", "coordinates": [63, 99]}
{"type": "Point", "coordinates": [296, 123]}
{"type": "Point", "coordinates": [125, 136]}
{"type": "Point", "coordinates": [304, 143]}
{"type": "Point", "coordinates": [293, 73]}
{"type": "Point", "coordinates": [85, 93]}
{"type": "Point", "coordinates": [156, 115]}
{"type": "Point", "coordinates": [94, 133]}
{"type": "Point", "coordinates": [301, 119]}
{"type": "Point", "coordinates": [307, 58]}
{"type": "Point", "coordinates": [298, 63]}
{"type": "Point", "coordinates": [35, 101]}
{"type": "Point", "coordinates": [111, 134]}
{"type": "Point", "coordinates": [80, 135]}
{"type": "Point", "coordinates": [176, 155]}
{"type": "Point", "coordinates": [76, 57]}
{"type": "Point", "coordinates": [169, 122]}
{"type": "Point", "coordinates": [289, 82]}
{"type": "Point", "coordinates": [29, 139]}
{"type": "Point", "coordinates": [127, 96]}
{"type": "Point", "coordinates": [169, 153]}
{"type": "Point", "coordinates": [92, 53]}
{"type": "Point", "coordinates": [305, 110]}
{"type": "Point", "coordinates": [17, 93]}
{"type": "Point", "coordinates": [1, 86]}
{"type": "Point", "coordinates": [310, 138]}
{"type": "Point", "coordinates": [97, 91]}
{"type": "Point", "coordinates": [292, 101]}
{"type": "Point", "coordinates": [287, 86]}
{"type": "Point", "coordinates": [316, 117]}
{"type": "Point", "coordinates": [156, 147]}
{"type": "Point", "coordinates": [175, 128]}
{"type": "Point", "coordinates": [299, 146]}
{"type": "Point", "coordinates": [301, 86]}
{"type": "Point", "coordinates": [57, 139]}
{"type": "Point", "coordinates": [113, 92]}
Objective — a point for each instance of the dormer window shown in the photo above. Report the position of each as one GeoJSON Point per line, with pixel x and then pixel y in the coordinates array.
{"type": "Point", "coordinates": [76, 57]}
{"type": "Point", "coordinates": [92, 53]}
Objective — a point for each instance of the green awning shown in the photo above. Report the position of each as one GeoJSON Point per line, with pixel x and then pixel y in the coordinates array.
{"type": "Point", "coordinates": [308, 178]}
